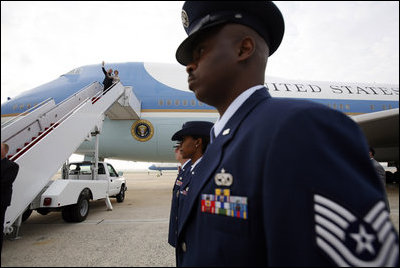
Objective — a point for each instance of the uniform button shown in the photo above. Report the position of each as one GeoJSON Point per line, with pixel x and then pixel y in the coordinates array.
{"type": "Point", "coordinates": [183, 246]}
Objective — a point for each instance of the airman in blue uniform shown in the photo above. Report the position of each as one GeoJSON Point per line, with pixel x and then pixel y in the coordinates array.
{"type": "Point", "coordinates": [283, 182]}
{"type": "Point", "coordinates": [194, 138]}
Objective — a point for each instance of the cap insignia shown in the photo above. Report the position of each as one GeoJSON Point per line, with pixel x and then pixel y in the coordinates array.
{"type": "Point", "coordinates": [185, 19]}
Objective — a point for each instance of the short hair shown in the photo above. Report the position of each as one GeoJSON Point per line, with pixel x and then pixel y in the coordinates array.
{"type": "Point", "coordinates": [6, 147]}
{"type": "Point", "coordinates": [205, 141]}
{"type": "Point", "coordinates": [372, 150]}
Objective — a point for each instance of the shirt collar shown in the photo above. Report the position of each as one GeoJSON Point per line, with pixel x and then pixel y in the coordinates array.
{"type": "Point", "coordinates": [184, 164]}
{"type": "Point", "coordinates": [195, 163]}
{"type": "Point", "coordinates": [233, 107]}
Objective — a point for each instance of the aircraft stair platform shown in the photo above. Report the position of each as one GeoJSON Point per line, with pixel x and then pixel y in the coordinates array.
{"type": "Point", "coordinates": [42, 139]}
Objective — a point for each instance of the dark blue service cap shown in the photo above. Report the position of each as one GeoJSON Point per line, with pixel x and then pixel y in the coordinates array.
{"type": "Point", "coordinates": [193, 128]}
{"type": "Point", "coordinates": [262, 16]}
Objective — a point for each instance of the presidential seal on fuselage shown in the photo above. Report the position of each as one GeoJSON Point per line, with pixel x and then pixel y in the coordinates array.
{"type": "Point", "coordinates": [142, 130]}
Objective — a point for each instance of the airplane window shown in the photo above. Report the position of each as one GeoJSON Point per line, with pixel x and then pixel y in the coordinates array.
{"type": "Point", "coordinates": [384, 107]}
{"type": "Point", "coordinates": [390, 106]}
{"type": "Point", "coordinates": [334, 106]}
{"type": "Point", "coordinates": [341, 106]}
{"type": "Point", "coordinates": [176, 102]}
{"type": "Point", "coordinates": [161, 103]}
{"type": "Point", "coordinates": [15, 107]}
{"type": "Point", "coordinates": [200, 103]}
{"type": "Point", "coordinates": [193, 102]}
{"type": "Point", "coordinates": [372, 107]}
{"type": "Point", "coordinates": [185, 103]}
{"type": "Point", "coordinates": [169, 102]}
{"type": "Point", "coordinates": [21, 106]}
{"type": "Point", "coordinates": [347, 107]}
{"type": "Point", "coordinates": [28, 106]}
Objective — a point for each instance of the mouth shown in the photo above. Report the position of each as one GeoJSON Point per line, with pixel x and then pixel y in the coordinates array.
{"type": "Point", "coordinates": [191, 81]}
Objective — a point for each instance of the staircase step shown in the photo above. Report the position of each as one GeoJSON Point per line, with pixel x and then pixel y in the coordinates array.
{"type": "Point", "coordinates": [26, 143]}
{"type": "Point", "coordinates": [9, 156]}
{"type": "Point", "coordinates": [19, 149]}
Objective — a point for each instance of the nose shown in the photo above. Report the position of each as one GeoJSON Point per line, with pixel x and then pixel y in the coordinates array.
{"type": "Point", "coordinates": [190, 67]}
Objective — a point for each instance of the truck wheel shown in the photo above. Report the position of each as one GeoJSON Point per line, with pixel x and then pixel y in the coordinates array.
{"type": "Point", "coordinates": [43, 211]}
{"type": "Point", "coordinates": [121, 195]}
{"type": "Point", "coordinates": [79, 211]}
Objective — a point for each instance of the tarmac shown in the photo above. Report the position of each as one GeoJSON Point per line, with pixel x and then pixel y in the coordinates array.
{"type": "Point", "coordinates": [134, 233]}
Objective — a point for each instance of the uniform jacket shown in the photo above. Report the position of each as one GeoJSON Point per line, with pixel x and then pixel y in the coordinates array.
{"type": "Point", "coordinates": [295, 167]}
{"type": "Point", "coordinates": [9, 171]}
{"type": "Point", "coordinates": [173, 217]}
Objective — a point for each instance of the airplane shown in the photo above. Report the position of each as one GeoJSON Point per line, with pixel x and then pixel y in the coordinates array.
{"type": "Point", "coordinates": [160, 167]}
{"type": "Point", "coordinates": [166, 103]}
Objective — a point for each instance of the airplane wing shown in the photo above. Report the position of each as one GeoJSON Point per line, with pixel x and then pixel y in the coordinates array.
{"type": "Point", "coordinates": [382, 132]}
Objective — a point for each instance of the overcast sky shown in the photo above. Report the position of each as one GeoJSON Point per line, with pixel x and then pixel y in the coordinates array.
{"type": "Point", "coordinates": [335, 41]}
{"type": "Point", "coordinates": [326, 41]}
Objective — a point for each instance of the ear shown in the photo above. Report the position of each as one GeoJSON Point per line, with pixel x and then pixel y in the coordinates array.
{"type": "Point", "coordinates": [246, 48]}
{"type": "Point", "coordinates": [198, 142]}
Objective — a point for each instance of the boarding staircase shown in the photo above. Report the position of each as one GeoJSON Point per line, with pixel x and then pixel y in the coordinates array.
{"type": "Point", "coordinates": [42, 139]}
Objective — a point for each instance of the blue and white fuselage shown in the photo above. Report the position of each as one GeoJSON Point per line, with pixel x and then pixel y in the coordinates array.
{"type": "Point", "coordinates": [166, 102]}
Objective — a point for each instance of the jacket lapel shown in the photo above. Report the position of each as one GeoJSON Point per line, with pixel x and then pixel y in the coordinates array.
{"type": "Point", "coordinates": [212, 157]}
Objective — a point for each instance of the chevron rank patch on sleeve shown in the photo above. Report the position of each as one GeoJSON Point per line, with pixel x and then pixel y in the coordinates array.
{"type": "Point", "coordinates": [350, 241]}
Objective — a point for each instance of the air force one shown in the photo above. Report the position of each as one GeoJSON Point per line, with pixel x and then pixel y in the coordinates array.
{"type": "Point", "coordinates": [164, 102]}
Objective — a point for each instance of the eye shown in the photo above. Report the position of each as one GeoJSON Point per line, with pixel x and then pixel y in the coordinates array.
{"type": "Point", "coordinates": [198, 53]}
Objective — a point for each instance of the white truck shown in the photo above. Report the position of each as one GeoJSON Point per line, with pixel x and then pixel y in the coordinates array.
{"type": "Point", "coordinates": [78, 185]}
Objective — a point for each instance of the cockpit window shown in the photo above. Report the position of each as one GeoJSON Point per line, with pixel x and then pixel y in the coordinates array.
{"type": "Point", "coordinates": [75, 71]}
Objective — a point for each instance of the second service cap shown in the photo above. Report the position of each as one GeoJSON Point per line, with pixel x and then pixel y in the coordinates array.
{"type": "Point", "coordinates": [193, 128]}
{"type": "Point", "coordinates": [262, 16]}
